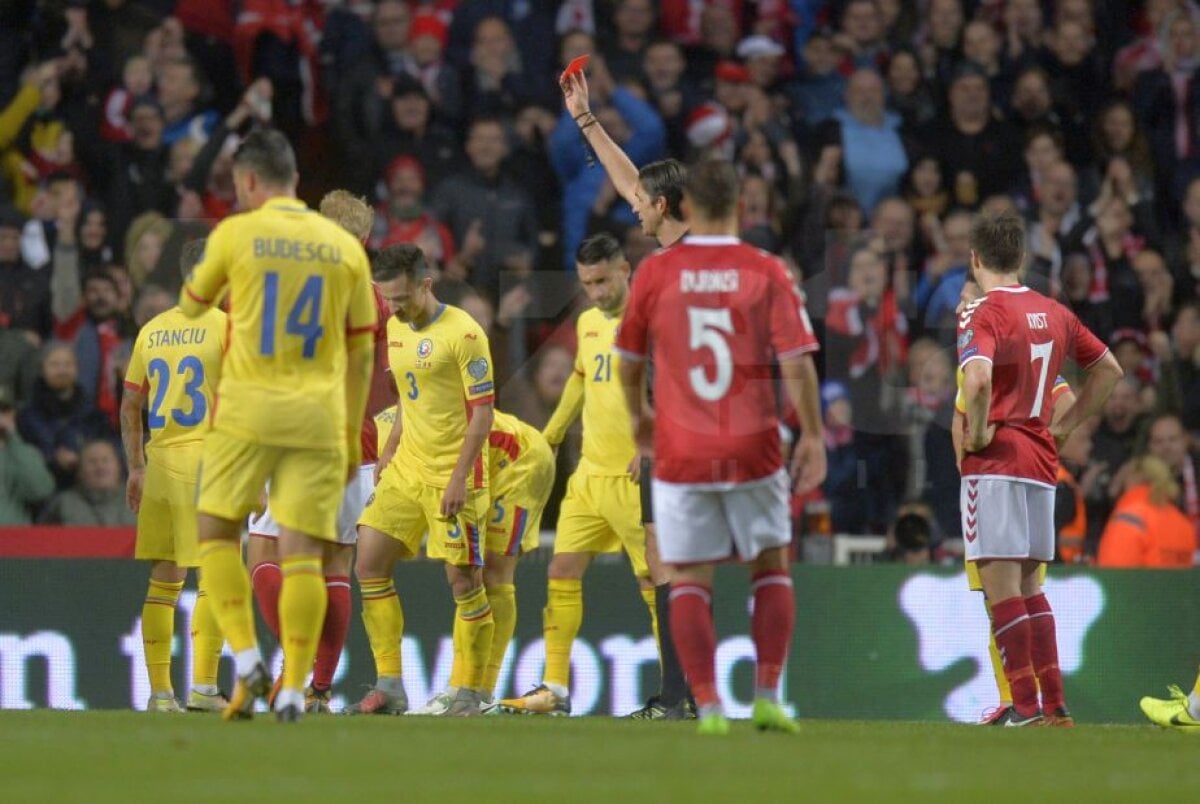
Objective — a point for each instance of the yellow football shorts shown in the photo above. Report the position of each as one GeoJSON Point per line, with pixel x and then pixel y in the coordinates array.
{"type": "Point", "coordinates": [976, 585]}
{"type": "Point", "coordinates": [166, 520]}
{"type": "Point", "coordinates": [405, 508]}
{"type": "Point", "coordinates": [306, 484]}
{"type": "Point", "coordinates": [518, 500]}
{"type": "Point", "coordinates": [603, 515]}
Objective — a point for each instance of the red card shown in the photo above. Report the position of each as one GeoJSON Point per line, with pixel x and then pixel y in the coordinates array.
{"type": "Point", "coordinates": [576, 66]}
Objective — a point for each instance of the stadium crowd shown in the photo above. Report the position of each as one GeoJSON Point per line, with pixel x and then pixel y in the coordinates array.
{"type": "Point", "coordinates": [867, 133]}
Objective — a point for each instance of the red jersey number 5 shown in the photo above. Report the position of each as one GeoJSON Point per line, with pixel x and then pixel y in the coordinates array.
{"type": "Point", "coordinates": [709, 329]}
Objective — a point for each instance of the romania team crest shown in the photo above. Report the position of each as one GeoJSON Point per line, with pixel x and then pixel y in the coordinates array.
{"type": "Point", "coordinates": [424, 348]}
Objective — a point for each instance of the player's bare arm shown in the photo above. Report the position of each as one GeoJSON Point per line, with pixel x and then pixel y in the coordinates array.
{"type": "Point", "coordinates": [621, 170]}
{"type": "Point", "coordinates": [977, 394]}
{"type": "Point", "coordinates": [1061, 405]}
{"type": "Point", "coordinates": [1100, 379]}
{"type": "Point", "coordinates": [391, 444]}
{"type": "Point", "coordinates": [478, 428]}
{"type": "Point", "coordinates": [802, 386]}
{"type": "Point", "coordinates": [641, 420]}
{"type": "Point", "coordinates": [570, 405]}
{"type": "Point", "coordinates": [131, 438]}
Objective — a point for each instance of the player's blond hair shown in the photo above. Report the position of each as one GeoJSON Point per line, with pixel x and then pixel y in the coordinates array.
{"type": "Point", "coordinates": [349, 211]}
{"type": "Point", "coordinates": [1152, 471]}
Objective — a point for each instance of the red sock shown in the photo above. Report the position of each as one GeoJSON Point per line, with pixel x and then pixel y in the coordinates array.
{"type": "Point", "coordinates": [1044, 651]}
{"type": "Point", "coordinates": [771, 627]}
{"type": "Point", "coordinates": [695, 639]}
{"type": "Point", "coordinates": [1010, 626]}
{"type": "Point", "coordinates": [267, 579]}
{"type": "Point", "coordinates": [333, 633]}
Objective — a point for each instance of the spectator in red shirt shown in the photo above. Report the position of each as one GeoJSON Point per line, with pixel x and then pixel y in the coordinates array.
{"type": "Point", "coordinates": [99, 330]}
{"type": "Point", "coordinates": [403, 218]}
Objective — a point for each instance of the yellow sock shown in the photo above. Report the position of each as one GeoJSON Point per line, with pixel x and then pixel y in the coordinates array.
{"type": "Point", "coordinates": [1196, 686]}
{"type": "Point", "coordinates": [158, 630]}
{"type": "Point", "coordinates": [228, 586]}
{"type": "Point", "coordinates": [459, 672]}
{"type": "Point", "coordinates": [302, 602]}
{"type": "Point", "coordinates": [560, 623]}
{"type": "Point", "coordinates": [648, 597]}
{"type": "Point", "coordinates": [998, 670]}
{"type": "Point", "coordinates": [475, 625]}
{"type": "Point", "coordinates": [997, 663]}
{"type": "Point", "coordinates": [384, 620]}
{"type": "Point", "coordinates": [206, 642]}
{"type": "Point", "coordinates": [503, 598]}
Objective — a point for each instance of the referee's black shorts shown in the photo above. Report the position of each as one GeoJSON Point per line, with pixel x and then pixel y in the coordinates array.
{"type": "Point", "coordinates": [647, 497]}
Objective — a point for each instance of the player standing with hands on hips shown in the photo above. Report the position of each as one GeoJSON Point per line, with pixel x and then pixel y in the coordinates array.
{"type": "Point", "coordinates": [719, 314]}
{"type": "Point", "coordinates": [1011, 346]}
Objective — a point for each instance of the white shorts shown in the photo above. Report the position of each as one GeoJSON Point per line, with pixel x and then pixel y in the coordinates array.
{"type": "Point", "coordinates": [703, 523]}
{"type": "Point", "coordinates": [354, 500]}
{"type": "Point", "coordinates": [1007, 518]}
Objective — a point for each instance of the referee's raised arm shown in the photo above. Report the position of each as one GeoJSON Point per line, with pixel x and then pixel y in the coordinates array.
{"type": "Point", "coordinates": [618, 165]}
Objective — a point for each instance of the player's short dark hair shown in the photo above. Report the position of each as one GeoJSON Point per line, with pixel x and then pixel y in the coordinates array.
{"type": "Point", "coordinates": [1165, 417]}
{"type": "Point", "coordinates": [487, 120]}
{"type": "Point", "coordinates": [100, 275]}
{"type": "Point", "coordinates": [1044, 130]}
{"type": "Point", "coordinates": [999, 242]}
{"type": "Point", "coordinates": [403, 259]}
{"type": "Point", "coordinates": [713, 187]}
{"type": "Point", "coordinates": [913, 532]}
{"type": "Point", "coordinates": [190, 255]}
{"type": "Point", "coordinates": [665, 178]}
{"type": "Point", "coordinates": [599, 248]}
{"type": "Point", "coordinates": [1190, 306]}
{"type": "Point", "coordinates": [59, 176]}
{"type": "Point", "coordinates": [268, 153]}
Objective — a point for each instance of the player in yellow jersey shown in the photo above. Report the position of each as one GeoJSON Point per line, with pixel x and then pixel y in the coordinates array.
{"type": "Point", "coordinates": [520, 479]}
{"type": "Point", "coordinates": [292, 394]}
{"type": "Point", "coordinates": [432, 478]}
{"type": "Point", "coordinates": [356, 217]}
{"type": "Point", "coordinates": [175, 366]}
{"type": "Point", "coordinates": [602, 510]}
{"type": "Point", "coordinates": [1063, 398]}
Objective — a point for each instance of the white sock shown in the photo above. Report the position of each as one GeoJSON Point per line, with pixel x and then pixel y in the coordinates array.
{"type": "Point", "coordinates": [392, 685]}
{"type": "Point", "coordinates": [205, 689]}
{"type": "Point", "coordinates": [711, 709]}
{"type": "Point", "coordinates": [769, 694]}
{"type": "Point", "coordinates": [246, 660]}
{"type": "Point", "coordinates": [557, 689]}
{"type": "Point", "coordinates": [287, 698]}
{"type": "Point", "coordinates": [1194, 704]}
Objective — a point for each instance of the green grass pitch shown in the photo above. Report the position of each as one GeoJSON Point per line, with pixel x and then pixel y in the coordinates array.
{"type": "Point", "coordinates": [128, 756]}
